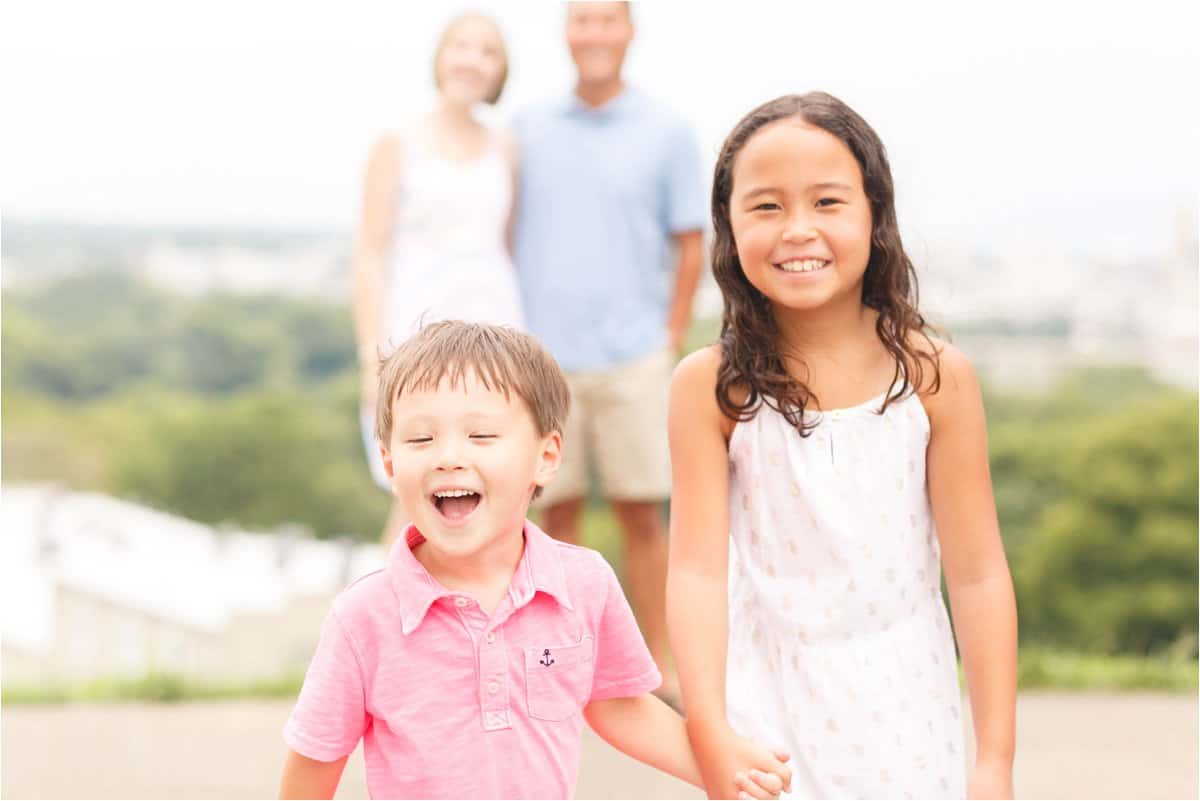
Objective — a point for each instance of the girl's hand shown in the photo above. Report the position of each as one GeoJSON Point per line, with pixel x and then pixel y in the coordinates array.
{"type": "Point", "coordinates": [756, 784]}
{"type": "Point", "coordinates": [990, 780]}
{"type": "Point", "coordinates": [756, 772]}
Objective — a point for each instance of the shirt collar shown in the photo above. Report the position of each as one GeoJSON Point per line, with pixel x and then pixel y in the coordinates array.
{"type": "Point", "coordinates": [615, 106]}
{"type": "Point", "coordinates": [539, 570]}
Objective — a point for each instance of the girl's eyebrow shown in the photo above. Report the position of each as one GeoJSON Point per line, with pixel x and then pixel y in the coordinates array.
{"type": "Point", "coordinates": [832, 185]}
{"type": "Point", "coordinates": [762, 190]}
{"type": "Point", "coordinates": [766, 190]}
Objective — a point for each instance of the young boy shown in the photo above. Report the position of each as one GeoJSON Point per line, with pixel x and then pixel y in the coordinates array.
{"type": "Point", "coordinates": [465, 664]}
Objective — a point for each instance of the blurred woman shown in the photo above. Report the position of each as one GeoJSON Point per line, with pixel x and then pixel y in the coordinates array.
{"type": "Point", "coordinates": [432, 243]}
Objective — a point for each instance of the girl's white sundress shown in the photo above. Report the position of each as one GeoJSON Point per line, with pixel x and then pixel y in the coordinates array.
{"type": "Point", "coordinates": [840, 649]}
{"type": "Point", "coordinates": [449, 259]}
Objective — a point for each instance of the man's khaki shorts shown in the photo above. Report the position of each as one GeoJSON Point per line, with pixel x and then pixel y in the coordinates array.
{"type": "Point", "coordinates": [618, 424]}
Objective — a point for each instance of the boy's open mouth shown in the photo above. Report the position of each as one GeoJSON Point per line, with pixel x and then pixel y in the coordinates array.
{"type": "Point", "coordinates": [455, 504]}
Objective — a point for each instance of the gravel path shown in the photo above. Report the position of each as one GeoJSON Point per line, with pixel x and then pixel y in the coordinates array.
{"type": "Point", "coordinates": [1069, 746]}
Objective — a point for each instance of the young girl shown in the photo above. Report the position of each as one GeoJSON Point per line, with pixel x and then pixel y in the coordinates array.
{"type": "Point", "coordinates": [826, 451]}
{"type": "Point", "coordinates": [436, 207]}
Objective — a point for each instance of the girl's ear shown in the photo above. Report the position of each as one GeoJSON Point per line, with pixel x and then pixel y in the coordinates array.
{"type": "Point", "coordinates": [549, 459]}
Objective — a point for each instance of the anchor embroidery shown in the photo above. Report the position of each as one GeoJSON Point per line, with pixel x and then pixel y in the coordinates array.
{"type": "Point", "coordinates": [546, 659]}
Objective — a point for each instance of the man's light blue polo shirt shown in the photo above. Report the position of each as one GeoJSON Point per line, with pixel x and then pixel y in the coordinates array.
{"type": "Point", "coordinates": [601, 192]}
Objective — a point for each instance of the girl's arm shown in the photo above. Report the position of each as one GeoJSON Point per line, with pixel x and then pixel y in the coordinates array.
{"type": "Point", "coordinates": [977, 575]}
{"type": "Point", "coordinates": [308, 778]}
{"type": "Point", "coordinates": [371, 252]}
{"type": "Point", "coordinates": [697, 608]}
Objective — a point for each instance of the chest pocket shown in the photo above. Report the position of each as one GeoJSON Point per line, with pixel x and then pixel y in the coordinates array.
{"type": "Point", "coordinates": [558, 679]}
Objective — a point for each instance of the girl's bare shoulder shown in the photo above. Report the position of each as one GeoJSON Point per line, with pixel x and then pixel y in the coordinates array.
{"type": "Point", "coordinates": [696, 373]}
{"type": "Point", "coordinates": [951, 383]}
{"type": "Point", "coordinates": [694, 388]}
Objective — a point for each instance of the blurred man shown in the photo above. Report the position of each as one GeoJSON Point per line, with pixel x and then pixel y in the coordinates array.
{"type": "Point", "coordinates": [611, 205]}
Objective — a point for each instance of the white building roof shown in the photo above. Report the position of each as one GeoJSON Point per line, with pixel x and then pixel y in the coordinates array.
{"type": "Point", "coordinates": [166, 566]}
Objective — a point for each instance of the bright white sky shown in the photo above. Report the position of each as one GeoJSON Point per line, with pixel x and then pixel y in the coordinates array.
{"type": "Point", "coordinates": [1058, 123]}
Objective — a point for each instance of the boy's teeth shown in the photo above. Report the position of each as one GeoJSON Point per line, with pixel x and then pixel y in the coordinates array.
{"type": "Point", "coordinates": [802, 266]}
{"type": "Point", "coordinates": [453, 493]}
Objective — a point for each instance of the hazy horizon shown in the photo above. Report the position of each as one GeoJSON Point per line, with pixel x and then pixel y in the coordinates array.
{"type": "Point", "coordinates": [1060, 126]}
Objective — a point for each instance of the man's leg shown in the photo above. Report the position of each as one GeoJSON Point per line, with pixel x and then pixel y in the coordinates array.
{"type": "Point", "coordinates": [561, 505]}
{"type": "Point", "coordinates": [561, 520]}
{"type": "Point", "coordinates": [635, 464]}
{"type": "Point", "coordinates": [644, 565]}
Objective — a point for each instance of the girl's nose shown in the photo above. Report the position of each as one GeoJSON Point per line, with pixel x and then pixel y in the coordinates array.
{"type": "Point", "coordinates": [799, 229]}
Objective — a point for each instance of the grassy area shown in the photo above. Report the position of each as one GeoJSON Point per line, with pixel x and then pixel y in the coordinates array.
{"type": "Point", "coordinates": [1038, 669]}
{"type": "Point", "coordinates": [153, 687]}
{"type": "Point", "coordinates": [1057, 670]}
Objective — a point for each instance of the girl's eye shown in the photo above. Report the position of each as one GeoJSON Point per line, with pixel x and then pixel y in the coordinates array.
{"type": "Point", "coordinates": [766, 207]}
{"type": "Point", "coordinates": [825, 202]}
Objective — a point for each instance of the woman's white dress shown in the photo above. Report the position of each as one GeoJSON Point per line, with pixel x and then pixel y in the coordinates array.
{"type": "Point", "coordinates": [449, 259]}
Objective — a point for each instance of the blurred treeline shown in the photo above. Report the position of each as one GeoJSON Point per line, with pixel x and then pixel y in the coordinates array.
{"type": "Point", "coordinates": [243, 410]}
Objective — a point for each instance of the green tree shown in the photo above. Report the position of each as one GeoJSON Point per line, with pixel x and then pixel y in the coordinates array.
{"type": "Point", "coordinates": [1110, 557]}
{"type": "Point", "coordinates": [258, 461]}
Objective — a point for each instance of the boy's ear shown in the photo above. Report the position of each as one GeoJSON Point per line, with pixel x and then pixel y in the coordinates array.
{"type": "Point", "coordinates": [387, 460]}
{"type": "Point", "coordinates": [549, 459]}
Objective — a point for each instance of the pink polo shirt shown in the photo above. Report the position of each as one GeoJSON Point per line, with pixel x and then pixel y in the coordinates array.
{"type": "Point", "coordinates": [452, 703]}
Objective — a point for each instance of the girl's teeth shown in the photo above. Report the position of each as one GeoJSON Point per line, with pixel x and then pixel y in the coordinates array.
{"type": "Point", "coordinates": [805, 266]}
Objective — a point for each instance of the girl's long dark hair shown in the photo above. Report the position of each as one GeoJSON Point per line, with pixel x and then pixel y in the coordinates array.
{"type": "Point", "coordinates": [751, 359]}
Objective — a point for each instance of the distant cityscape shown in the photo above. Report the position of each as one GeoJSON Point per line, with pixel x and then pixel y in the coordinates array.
{"type": "Point", "coordinates": [1022, 315]}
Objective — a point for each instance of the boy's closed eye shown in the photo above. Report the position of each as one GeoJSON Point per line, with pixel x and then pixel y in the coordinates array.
{"type": "Point", "coordinates": [420, 440]}
{"type": "Point", "coordinates": [485, 436]}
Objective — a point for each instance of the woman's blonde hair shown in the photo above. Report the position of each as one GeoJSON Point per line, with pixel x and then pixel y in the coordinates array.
{"type": "Point", "coordinates": [445, 38]}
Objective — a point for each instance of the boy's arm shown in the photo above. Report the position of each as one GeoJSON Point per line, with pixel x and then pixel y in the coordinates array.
{"type": "Point", "coordinates": [977, 575]}
{"type": "Point", "coordinates": [648, 730]}
{"type": "Point", "coordinates": [308, 778]}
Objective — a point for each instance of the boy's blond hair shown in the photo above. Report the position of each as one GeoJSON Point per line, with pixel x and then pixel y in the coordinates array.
{"type": "Point", "coordinates": [504, 359]}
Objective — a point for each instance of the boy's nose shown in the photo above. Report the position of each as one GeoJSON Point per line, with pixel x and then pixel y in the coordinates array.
{"type": "Point", "coordinates": [449, 457]}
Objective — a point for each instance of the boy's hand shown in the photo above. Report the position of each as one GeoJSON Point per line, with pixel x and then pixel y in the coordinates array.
{"type": "Point", "coordinates": [990, 780]}
{"type": "Point", "coordinates": [757, 784]}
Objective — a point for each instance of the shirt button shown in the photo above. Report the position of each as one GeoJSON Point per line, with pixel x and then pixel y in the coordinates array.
{"type": "Point", "coordinates": [490, 637]}
{"type": "Point", "coordinates": [493, 688]}
{"type": "Point", "coordinates": [461, 602]}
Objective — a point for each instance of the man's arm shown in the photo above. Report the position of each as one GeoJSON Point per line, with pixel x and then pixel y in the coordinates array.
{"type": "Point", "coordinates": [689, 260]}
{"type": "Point", "coordinates": [308, 778]}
